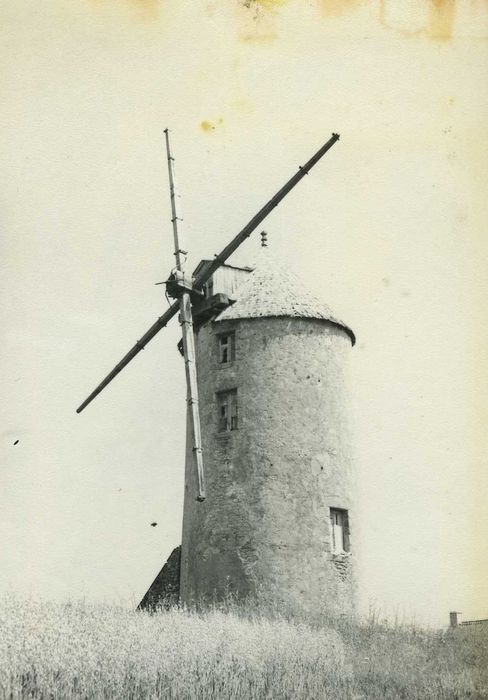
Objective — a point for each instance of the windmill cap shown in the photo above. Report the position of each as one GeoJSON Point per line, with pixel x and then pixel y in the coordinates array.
{"type": "Point", "coordinates": [273, 291]}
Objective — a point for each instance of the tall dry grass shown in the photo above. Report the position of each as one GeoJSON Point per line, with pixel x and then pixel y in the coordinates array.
{"type": "Point", "coordinates": [76, 650]}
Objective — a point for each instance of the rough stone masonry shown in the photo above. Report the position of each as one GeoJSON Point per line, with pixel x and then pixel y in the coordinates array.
{"type": "Point", "coordinates": [274, 476]}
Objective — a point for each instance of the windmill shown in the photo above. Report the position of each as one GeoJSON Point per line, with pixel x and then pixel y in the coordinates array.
{"type": "Point", "coordinates": [267, 412]}
{"type": "Point", "coordinates": [185, 290]}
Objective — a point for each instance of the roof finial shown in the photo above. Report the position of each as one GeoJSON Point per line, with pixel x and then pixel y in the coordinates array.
{"type": "Point", "coordinates": [264, 239]}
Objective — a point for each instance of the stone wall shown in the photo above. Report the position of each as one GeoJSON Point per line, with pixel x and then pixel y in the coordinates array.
{"type": "Point", "coordinates": [264, 529]}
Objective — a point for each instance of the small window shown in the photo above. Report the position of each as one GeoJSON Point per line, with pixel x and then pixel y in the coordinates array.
{"type": "Point", "coordinates": [340, 530]}
{"type": "Point", "coordinates": [226, 348]}
{"type": "Point", "coordinates": [227, 410]}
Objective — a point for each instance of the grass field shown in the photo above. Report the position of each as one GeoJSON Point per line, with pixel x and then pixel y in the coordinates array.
{"type": "Point", "coordinates": [77, 650]}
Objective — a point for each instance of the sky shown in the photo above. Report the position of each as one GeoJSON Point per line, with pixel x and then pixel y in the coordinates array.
{"type": "Point", "coordinates": [389, 229]}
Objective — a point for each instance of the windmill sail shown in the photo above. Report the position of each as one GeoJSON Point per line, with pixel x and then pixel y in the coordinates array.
{"type": "Point", "coordinates": [208, 271]}
{"type": "Point", "coordinates": [187, 333]}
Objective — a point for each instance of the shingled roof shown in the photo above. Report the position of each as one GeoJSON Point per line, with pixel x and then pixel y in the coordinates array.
{"type": "Point", "coordinates": [272, 290]}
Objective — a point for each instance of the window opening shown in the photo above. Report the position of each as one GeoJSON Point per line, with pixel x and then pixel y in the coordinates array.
{"type": "Point", "coordinates": [340, 530]}
{"type": "Point", "coordinates": [227, 410]}
{"type": "Point", "coordinates": [226, 348]}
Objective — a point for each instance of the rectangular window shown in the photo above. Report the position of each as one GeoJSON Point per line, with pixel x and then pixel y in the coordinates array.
{"type": "Point", "coordinates": [226, 348]}
{"type": "Point", "coordinates": [227, 410]}
{"type": "Point", "coordinates": [339, 522]}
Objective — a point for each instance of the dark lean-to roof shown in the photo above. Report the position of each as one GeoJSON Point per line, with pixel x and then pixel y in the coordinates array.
{"type": "Point", "coordinates": [272, 291]}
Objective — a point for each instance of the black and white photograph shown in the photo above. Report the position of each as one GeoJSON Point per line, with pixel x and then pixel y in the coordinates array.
{"type": "Point", "coordinates": [244, 349]}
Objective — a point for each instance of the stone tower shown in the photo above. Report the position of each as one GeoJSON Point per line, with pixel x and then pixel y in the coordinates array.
{"type": "Point", "coordinates": [279, 522]}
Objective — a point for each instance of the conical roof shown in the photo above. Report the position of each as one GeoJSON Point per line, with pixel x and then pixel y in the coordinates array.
{"type": "Point", "coordinates": [271, 290]}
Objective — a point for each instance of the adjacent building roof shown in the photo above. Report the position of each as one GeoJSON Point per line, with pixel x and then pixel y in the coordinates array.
{"type": "Point", "coordinates": [271, 290]}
